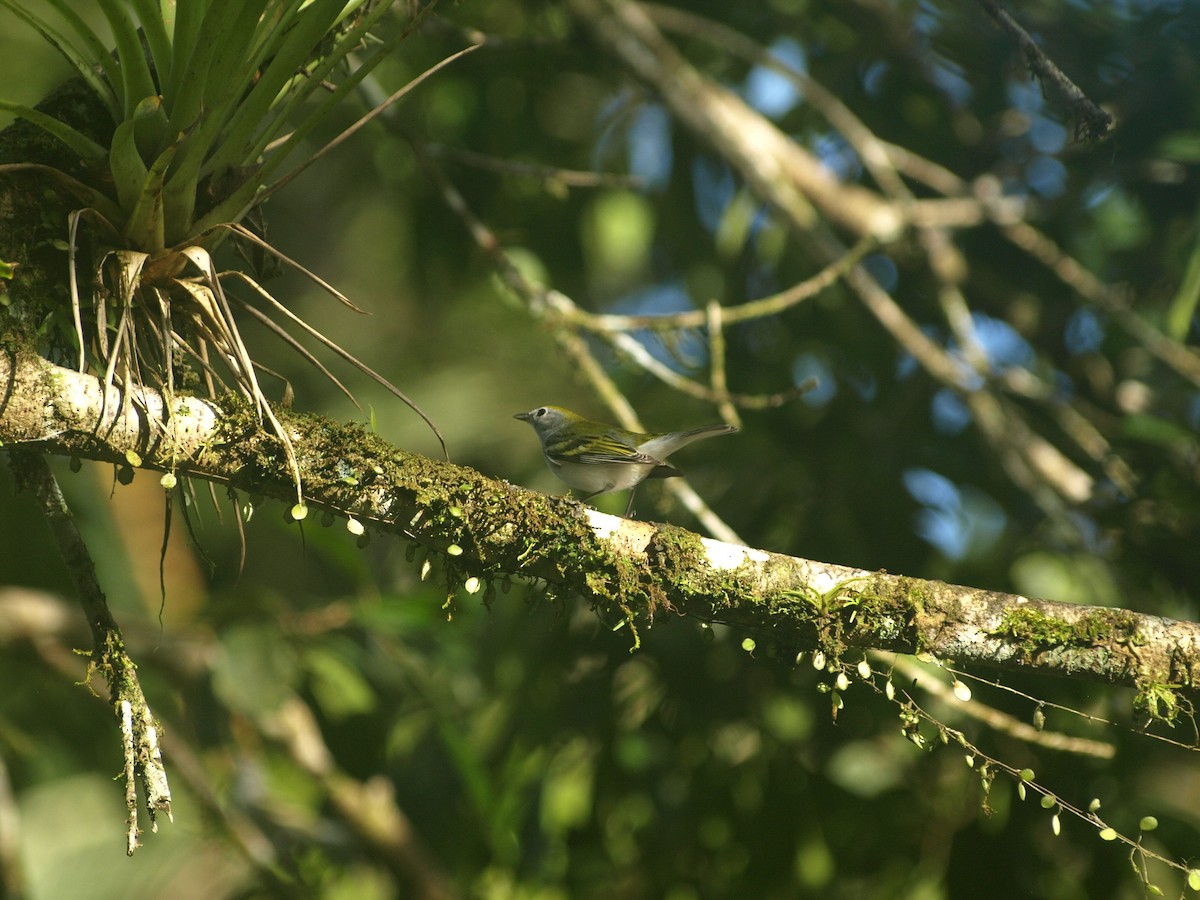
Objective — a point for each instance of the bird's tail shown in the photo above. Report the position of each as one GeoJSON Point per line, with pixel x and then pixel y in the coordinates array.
{"type": "Point", "coordinates": [664, 445]}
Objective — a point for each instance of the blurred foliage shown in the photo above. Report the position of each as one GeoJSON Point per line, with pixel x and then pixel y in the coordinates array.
{"type": "Point", "coordinates": [532, 753]}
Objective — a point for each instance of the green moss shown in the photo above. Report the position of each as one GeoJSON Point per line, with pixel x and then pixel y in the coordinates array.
{"type": "Point", "coordinates": [673, 575]}
{"type": "Point", "coordinates": [1095, 631]}
{"type": "Point", "coordinates": [680, 560]}
{"type": "Point", "coordinates": [1161, 702]}
{"type": "Point", "coordinates": [33, 229]}
{"type": "Point", "coordinates": [1036, 631]}
{"type": "Point", "coordinates": [889, 608]}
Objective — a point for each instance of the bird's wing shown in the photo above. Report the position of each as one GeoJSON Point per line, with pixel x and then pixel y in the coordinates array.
{"type": "Point", "coordinates": [606, 449]}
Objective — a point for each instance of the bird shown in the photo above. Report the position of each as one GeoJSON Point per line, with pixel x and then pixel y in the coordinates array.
{"type": "Point", "coordinates": [598, 458]}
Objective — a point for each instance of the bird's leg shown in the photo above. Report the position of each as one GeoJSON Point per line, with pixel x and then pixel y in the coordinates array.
{"type": "Point", "coordinates": [604, 490]}
{"type": "Point", "coordinates": [629, 505]}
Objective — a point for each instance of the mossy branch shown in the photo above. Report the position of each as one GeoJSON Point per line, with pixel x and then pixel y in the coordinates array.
{"type": "Point", "coordinates": [488, 529]}
{"type": "Point", "coordinates": [139, 728]}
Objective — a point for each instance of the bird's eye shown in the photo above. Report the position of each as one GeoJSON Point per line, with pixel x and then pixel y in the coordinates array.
{"type": "Point", "coordinates": [540, 412]}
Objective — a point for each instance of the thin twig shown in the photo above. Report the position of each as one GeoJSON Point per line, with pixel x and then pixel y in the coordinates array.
{"type": "Point", "coordinates": [1185, 361]}
{"type": "Point", "coordinates": [378, 110]}
{"type": "Point", "coordinates": [994, 718]}
{"type": "Point", "coordinates": [716, 365]}
{"type": "Point", "coordinates": [566, 177]}
{"type": "Point", "coordinates": [1093, 122]}
{"type": "Point", "coordinates": [771, 305]}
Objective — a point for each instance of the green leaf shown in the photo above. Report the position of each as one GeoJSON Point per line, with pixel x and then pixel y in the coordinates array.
{"type": "Point", "coordinates": [188, 83]}
{"type": "Point", "coordinates": [135, 71]}
{"type": "Point", "coordinates": [241, 47]}
{"type": "Point", "coordinates": [185, 39]}
{"type": "Point", "coordinates": [140, 189]}
{"type": "Point", "coordinates": [294, 50]}
{"type": "Point", "coordinates": [252, 192]}
{"type": "Point", "coordinates": [334, 57]}
{"type": "Point", "coordinates": [89, 61]}
{"type": "Point", "coordinates": [254, 668]}
{"type": "Point", "coordinates": [1154, 430]}
{"type": "Point", "coordinates": [126, 165]}
{"type": "Point", "coordinates": [337, 685]}
{"type": "Point", "coordinates": [1183, 304]}
{"type": "Point", "coordinates": [220, 71]}
{"type": "Point", "coordinates": [87, 149]}
{"type": "Point", "coordinates": [150, 15]}
{"type": "Point", "coordinates": [87, 196]}
{"type": "Point", "coordinates": [146, 226]}
{"type": "Point", "coordinates": [567, 792]}
{"type": "Point", "coordinates": [1181, 146]}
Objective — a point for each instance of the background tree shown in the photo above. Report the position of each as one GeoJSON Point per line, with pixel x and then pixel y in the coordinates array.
{"type": "Point", "coordinates": [1005, 399]}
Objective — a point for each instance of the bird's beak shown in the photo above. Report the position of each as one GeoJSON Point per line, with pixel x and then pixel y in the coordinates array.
{"type": "Point", "coordinates": [524, 417]}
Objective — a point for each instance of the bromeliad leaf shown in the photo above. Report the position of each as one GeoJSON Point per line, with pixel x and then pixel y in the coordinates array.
{"type": "Point", "coordinates": [125, 160]}
{"type": "Point", "coordinates": [203, 96]}
{"type": "Point", "coordinates": [89, 151]}
{"type": "Point", "coordinates": [93, 62]}
{"type": "Point", "coordinates": [292, 50]}
{"type": "Point", "coordinates": [157, 21]}
{"type": "Point", "coordinates": [136, 79]}
{"type": "Point", "coordinates": [150, 133]}
{"type": "Point", "coordinates": [146, 226]}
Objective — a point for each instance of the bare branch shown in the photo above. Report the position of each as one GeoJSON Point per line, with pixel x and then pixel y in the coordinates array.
{"type": "Point", "coordinates": [1093, 122]}
{"type": "Point", "coordinates": [778, 168]}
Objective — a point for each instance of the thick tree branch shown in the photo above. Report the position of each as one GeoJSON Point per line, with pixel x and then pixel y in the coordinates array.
{"type": "Point", "coordinates": [488, 529]}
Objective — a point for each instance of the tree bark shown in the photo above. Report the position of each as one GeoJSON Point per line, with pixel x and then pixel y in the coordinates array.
{"type": "Point", "coordinates": [487, 530]}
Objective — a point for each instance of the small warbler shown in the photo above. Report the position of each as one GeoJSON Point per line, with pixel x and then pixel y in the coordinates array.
{"type": "Point", "coordinates": [598, 458]}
